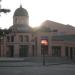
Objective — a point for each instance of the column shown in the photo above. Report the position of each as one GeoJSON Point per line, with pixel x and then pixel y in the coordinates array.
{"type": "Point", "coordinates": [63, 51]}
{"type": "Point", "coordinates": [30, 51]}
{"type": "Point", "coordinates": [16, 50]}
{"type": "Point", "coordinates": [4, 47]}
{"type": "Point", "coordinates": [38, 47]}
{"type": "Point", "coordinates": [50, 46]}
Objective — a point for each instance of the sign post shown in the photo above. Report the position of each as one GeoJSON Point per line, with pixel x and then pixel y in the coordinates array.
{"type": "Point", "coordinates": [44, 43]}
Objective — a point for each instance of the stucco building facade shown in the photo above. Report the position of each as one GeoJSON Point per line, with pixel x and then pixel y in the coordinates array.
{"type": "Point", "coordinates": [24, 41]}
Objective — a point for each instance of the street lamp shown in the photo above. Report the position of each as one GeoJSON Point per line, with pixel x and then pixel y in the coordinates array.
{"type": "Point", "coordinates": [44, 44]}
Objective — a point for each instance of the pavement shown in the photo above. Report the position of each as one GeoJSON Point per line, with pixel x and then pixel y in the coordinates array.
{"type": "Point", "coordinates": [28, 66]}
{"type": "Point", "coordinates": [7, 59]}
{"type": "Point", "coordinates": [63, 69]}
{"type": "Point", "coordinates": [22, 62]}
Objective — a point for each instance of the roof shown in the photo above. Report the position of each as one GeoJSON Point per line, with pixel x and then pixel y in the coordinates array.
{"type": "Point", "coordinates": [20, 28]}
{"type": "Point", "coordinates": [21, 12]}
{"type": "Point", "coordinates": [64, 38]}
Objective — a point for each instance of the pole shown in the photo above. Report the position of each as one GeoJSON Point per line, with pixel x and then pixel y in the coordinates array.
{"type": "Point", "coordinates": [44, 44]}
{"type": "Point", "coordinates": [43, 56]}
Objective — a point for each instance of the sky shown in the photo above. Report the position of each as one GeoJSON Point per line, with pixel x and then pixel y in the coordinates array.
{"type": "Point", "coordinates": [62, 11]}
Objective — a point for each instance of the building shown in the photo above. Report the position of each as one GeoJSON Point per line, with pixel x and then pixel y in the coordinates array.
{"type": "Point", "coordinates": [54, 39]}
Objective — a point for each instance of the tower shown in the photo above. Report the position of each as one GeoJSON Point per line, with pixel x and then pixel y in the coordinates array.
{"type": "Point", "coordinates": [21, 16]}
{"type": "Point", "coordinates": [20, 20]}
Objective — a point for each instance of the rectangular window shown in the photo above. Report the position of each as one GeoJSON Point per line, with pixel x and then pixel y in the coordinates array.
{"type": "Point", "coordinates": [8, 38]}
{"type": "Point", "coordinates": [74, 51]}
{"type": "Point", "coordinates": [56, 51]}
{"type": "Point", "coordinates": [12, 38]}
{"type": "Point", "coordinates": [21, 38]}
{"type": "Point", "coordinates": [33, 50]}
{"type": "Point", "coordinates": [71, 52]}
{"type": "Point", "coordinates": [66, 51]}
{"type": "Point", "coordinates": [26, 38]}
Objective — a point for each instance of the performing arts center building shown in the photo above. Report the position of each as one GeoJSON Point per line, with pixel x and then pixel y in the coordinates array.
{"type": "Point", "coordinates": [51, 38]}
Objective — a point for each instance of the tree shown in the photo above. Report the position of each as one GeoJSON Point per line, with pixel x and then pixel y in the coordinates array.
{"type": "Point", "coordinates": [4, 10]}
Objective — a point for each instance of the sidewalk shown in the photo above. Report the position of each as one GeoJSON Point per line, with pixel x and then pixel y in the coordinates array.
{"type": "Point", "coordinates": [22, 62]}
{"type": "Point", "coordinates": [6, 59]}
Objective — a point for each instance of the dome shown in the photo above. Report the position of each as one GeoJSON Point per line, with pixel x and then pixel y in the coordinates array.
{"type": "Point", "coordinates": [21, 12]}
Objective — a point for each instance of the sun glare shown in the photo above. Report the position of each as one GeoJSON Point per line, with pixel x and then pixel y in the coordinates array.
{"type": "Point", "coordinates": [34, 23]}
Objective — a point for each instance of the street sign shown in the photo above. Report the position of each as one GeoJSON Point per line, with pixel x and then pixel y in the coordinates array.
{"type": "Point", "coordinates": [44, 37]}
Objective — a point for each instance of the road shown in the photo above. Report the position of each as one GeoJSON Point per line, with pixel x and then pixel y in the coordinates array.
{"type": "Point", "coordinates": [62, 69]}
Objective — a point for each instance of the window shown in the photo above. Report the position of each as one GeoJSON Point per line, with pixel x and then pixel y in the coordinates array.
{"type": "Point", "coordinates": [66, 51]}
{"type": "Point", "coordinates": [71, 52]}
{"type": "Point", "coordinates": [33, 50]}
{"type": "Point", "coordinates": [21, 38]}
{"type": "Point", "coordinates": [56, 51]}
{"type": "Point", "coordinates": [12, 38]}
{"type": "Point", "coordinates": [8, 38]}
{"type": "Point", "coordinates": [26, 38]}
{"type": "Point", "coordinates": [74, 51]}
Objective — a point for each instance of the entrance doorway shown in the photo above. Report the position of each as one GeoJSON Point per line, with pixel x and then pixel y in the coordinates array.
{"type": "Point", "coordinates": [71, 52]}
{"type": "Point", "coordinates": [56, 51]}
{"type": "Point", "coordinates": [0, 50]}
{"type": "Point", "coordinates": [66, 51]}
{"type": "Point", "coordinates": [23, 52]}
{"type": "Point", "coordinates": [10, 52]}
